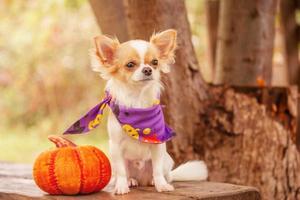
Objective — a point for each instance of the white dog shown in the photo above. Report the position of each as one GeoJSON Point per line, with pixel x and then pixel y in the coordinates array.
{"type": "Point", "coordinates": [132, 70]}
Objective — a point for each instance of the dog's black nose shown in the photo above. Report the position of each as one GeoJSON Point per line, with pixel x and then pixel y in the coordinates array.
{"type": "Point", "coordinates": [147, 71]}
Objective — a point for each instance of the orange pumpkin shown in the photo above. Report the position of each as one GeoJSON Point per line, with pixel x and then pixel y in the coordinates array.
{"type": "Point", "coordinates": [71, 169]}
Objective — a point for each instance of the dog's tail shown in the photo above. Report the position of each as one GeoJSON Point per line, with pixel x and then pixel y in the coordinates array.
{"type": "Point", "coordinates": [190, 171]}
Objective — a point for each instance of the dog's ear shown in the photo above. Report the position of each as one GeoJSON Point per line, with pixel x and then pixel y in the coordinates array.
{"type": "Point", "coordinates": [102, 56]}
{"type": "Point", "coordinates": [106, 48]}
{"type": "Point", "coordinates": [165, 42]}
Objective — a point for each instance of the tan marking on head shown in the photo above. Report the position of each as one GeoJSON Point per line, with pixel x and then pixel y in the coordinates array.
{"type": "Point", "coordinates": [151, 54]}
{"type": "Point", "coordinates": [127, 53]}
{"type": "Point", "coordinates": [124, 55]}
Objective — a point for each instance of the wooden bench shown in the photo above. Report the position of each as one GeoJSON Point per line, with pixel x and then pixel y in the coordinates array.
{"type": "Point", "coordinates": [16, 183]}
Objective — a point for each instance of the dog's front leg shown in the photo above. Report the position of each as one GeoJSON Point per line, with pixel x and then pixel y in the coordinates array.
{"type": "Point", "coordinates": [157, 155]}
{"type": "Point", "coordinates": [119, 168]}
{"type": "Point", "coordinates": [117, 159]}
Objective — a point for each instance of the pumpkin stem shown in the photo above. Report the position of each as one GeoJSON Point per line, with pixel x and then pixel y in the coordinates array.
{"type": "Point", "coordinates": [60, 141]}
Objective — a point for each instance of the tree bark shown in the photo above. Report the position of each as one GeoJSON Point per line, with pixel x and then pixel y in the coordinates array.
{"type": "Point", "coordinates": [248, 141]}
{"type": "Point", "coordinates": [245, 135]}
{"type": "Point", "coordinates": [212, 19]}
{"type": "Point", "coordinates": [111, 17]}
{"type": "Point", "coordinates": [290, 34]}
{"type": "Point", "coordinates": [290, 30]}
{"type": "Point", "coordinates": [245, 46]}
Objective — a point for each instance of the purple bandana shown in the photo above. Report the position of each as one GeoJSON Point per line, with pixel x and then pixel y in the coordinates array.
{"type": "Point", "coordinates": [143, 124]}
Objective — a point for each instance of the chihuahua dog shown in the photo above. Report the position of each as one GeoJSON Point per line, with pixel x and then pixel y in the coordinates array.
{"type": "Point", "coordinates": [132, 70]}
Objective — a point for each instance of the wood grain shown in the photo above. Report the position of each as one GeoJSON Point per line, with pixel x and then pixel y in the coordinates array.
{"type": "Point", "coordinates": [16, 183]}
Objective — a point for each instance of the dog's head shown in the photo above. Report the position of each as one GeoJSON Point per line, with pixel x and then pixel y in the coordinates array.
{"type": "Point", "coordinates": [136, 62]}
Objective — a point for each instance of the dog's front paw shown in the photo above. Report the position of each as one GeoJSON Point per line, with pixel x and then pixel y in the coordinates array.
{"type": "Point", "coordinates": [121, 186]}
{"type": "Point", "coordinates": [162, 185]}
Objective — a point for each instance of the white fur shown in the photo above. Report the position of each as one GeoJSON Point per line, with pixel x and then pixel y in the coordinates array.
{"type": "Point", "coordinates": [135, 163]}
{"type": "Point", "coordinates": [139, 96]}
{"type": "Point", "coordinates": [190, 171]}
{"type": "Point", "coordinates": [97, 65]}
{"type": "Point", "coordinates": [138, 75]}
{"type": "Point", "coordinates": [141, 47]}
{"type": "Point", "coordinates": [165, 68]}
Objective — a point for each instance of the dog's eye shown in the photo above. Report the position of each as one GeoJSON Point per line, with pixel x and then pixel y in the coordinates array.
{"type": "Point", "coordinates": [154, 62]}
{"type": "Point", "coordinates": [130, 64]}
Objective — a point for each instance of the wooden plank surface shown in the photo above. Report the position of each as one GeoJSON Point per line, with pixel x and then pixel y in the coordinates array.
{"type": "Point", "coordinates": [16, 183]}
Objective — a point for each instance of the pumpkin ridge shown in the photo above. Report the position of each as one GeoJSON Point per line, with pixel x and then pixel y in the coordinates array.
{"type": "Point", "coordinates": [104, 173]}
{"type": "Point", "coordinates": [90, 148]}
{"type": "Point", "coordinates": [52, 177]}
{"type": "Point", "coordinates": [88, 186]}
{"type": "Point", "coordinates": [100, 183]}
{"type": "Point", "coordinates": [79, 161]}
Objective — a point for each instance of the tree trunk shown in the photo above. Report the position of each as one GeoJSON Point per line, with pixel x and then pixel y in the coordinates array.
{"type": "Point", "coordinates": [290, 30]}
{"type": "Point", "coordinates": [248, 141]}
{"type": "Point", "coordinates": [290, 34]}
{"type": "Point", "coordinates": [212, 19]}
{"type": "Point", "coordinates": [110, 17]}
{"type": "Point", "coordinates": [245, 46]}
{"type": "Point", "coordinates": [245, 135]}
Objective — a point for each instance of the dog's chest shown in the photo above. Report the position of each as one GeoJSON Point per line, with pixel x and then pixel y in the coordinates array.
{"type": "Point", "coordinates": [135, 150]}
{"type": "Point", "coordinates": [131, 149]}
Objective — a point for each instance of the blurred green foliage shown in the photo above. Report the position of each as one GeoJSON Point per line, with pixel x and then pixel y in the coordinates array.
{"type": "Point", "coordinates": [45, 79]}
